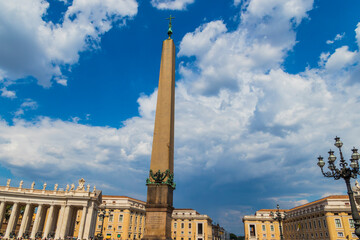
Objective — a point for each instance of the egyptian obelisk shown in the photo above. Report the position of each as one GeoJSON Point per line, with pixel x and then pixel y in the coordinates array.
{"type": "Point", "coordinates": [160, 184]}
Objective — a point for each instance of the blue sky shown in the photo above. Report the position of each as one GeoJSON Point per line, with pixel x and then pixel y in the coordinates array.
{"type": "Point", "coordinates": [263, 87]}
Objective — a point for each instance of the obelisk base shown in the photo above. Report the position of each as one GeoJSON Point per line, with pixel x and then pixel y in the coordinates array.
{"type": "Point", "coordinates": [158, 212]}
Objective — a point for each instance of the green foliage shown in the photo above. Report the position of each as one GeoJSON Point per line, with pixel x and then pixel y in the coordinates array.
{"type": "Point", "coordinates": [234, 237]}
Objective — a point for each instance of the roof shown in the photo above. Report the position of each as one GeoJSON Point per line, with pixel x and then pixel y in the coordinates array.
{"type": "Point", "coordinates": [321, 200]}
{"type": "Point", "coordinates": [111, 196]}
{"type": "Point", "coordinates": [272, 210]}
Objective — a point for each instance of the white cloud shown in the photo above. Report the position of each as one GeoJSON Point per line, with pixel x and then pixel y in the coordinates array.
{"type": "Point", "coordinates": [171, 4]}
{"type": "Point", "coordinates": [357, 31]}
{"type": "Point", "coordinates": [48, 149]}
{"type": "Point", "coordinates": [341, 58]}
{"type": "Point", "coordinates": [337, 38]}
{"type": "Point", "coordinates": [258, 45]}
{"type": "Point", "coordinates": [27, 105]}
{"type": "Point", "coordinates": [8, 94]}
{"type": "Point", "coordinates": [30, 46]}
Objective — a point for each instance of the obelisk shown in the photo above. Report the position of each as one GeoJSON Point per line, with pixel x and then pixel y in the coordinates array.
{"type": "Point", "coordinates": [160, 184]}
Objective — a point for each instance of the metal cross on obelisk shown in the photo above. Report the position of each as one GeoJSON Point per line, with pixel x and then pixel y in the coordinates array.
{"type": "Point", "coordinates": [170, 30]}
{"type": "Point", "coordinates": [160, 184]}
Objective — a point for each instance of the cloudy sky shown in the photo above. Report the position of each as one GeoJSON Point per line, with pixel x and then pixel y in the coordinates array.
{"type": "Point", "coordinates": [262, 88]}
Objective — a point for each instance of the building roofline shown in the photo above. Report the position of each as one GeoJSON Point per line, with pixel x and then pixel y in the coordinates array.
{"type": "Point", "coordinates": [112, 196]}
{"type": "Point", "coordinates": [345, 197]}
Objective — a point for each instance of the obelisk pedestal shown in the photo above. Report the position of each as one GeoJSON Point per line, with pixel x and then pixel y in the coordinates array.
{"type": "Point", "coordinates": [160, 183]}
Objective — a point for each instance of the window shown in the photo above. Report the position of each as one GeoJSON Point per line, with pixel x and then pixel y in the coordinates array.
{"type": "Point", "coordinates": [190, 233]}
{"type": "Point", "coordinates": [252, 230]}
{"type": "Point", "coordinates": [263, 228]}
{"type": "Point", "coordinates": [319, 223]}
{"type": "Point", "coordinates": [200, 228]}
{"type": "Point", "coordinates": [337, 223]}
{"type": "Point", "coordinates": [314, 225]}
{"type": "Point", "coordinates": [351, 222]}
{"type": "Point", "coordinates": [340, 234]}
{"type": "Point", "coordinates": [324, 223]}
{"type": "Point", "coordinates": [111, 218]}
{"type": "Point", "coordinates": [109, 227]}
{"type": "Point", "coordinates": [175, 225]}
{"type": "Point", "coordinates": [119, 227]}
{"type": "Point", "coordinates": [101, 218]}
{"type": "Point", "coordinates": [189, 225]}
{"type": "Point", "coordinates": [272, 228]}
{"type": "Point", "coordinates": [182, 232]}
{"type": "Point", "coordinates": [310, 225]}
{"type": "Point", "coordinates": [99, 226]}
{"type": "Point", "coordinates": [272, 235]}
{"type": "Point", "coordinates": [182, 225]}
{"type": "Point", "coordinates": [264, 235]}
{"type": "Point", "coordinates": [121, 218]}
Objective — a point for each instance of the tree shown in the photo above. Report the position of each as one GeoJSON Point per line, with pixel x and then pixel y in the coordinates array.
{"type": "Point", "coordinates": [233, 236]}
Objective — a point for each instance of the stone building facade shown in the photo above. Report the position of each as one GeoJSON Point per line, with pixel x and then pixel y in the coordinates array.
{"type": "Point", "coordinates": [188, 224]}
{"type": "Point", "coordinates": [261, 225]}
{"type": "Point", "coordinates": [328, 218]}
{"type": "Point", "coordinates": [125, 219]}
{"type": "Point", "coordinates": [44, 213]}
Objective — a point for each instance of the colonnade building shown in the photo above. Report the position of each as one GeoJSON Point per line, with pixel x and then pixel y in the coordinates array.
{"type": "Point", "coordinates": [75, 212]}
{"type": "Point", "coordinates": [328, 218]}
{"type": "Point", "coordinates": [44, 213]}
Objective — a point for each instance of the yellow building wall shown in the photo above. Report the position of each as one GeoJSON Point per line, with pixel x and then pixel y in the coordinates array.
{"type": "Point", "coordinates": [269, 233]}
{"type": "Point", "coordinates": [345, 227]}
{"type": "Point", "coordinates": [185, 229]}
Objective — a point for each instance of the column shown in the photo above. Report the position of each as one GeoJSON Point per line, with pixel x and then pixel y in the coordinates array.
{"type": "Point", "coordinates": [24, 221]}
{"type": "Point", "coordinates": [42, 220]}
{"type": "Point", "coordinates": [49, 221]}
{"type": "Point", "coordinates": [2, 212]}
{"type": "Point", "coordinates": [36, 225]}
{"type": "Point", "coordinates": [12, 220]}
{"type": "Point", "coordinates": [65, 222]}
{"type": "Point", "coordinates": [82, 223]}
{"type": "Point", "coordinates": [59, 223]}
{"type": "Point", "coordinates": [89, 222]}
{"type": "Point", "coordinates": [28, 225]}
{"type": "Point", "coordinates": [93, 225]}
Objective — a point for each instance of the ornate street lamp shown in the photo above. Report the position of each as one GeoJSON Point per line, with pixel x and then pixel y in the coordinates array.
{"type": "Point", "coordinates": [102, 215]}
{"type": "Point", "coordinates": [346, 173]}
{"type": "Point", "coordinates": [278, 216]}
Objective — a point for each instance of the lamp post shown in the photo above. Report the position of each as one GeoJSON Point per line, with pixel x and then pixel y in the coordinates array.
{"type": "Point", "coordinates": [103, 214]}
{"type": "Point", "coordinates": [278, 216]}
{"type": "Point", "coordinates": [346, 173]}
